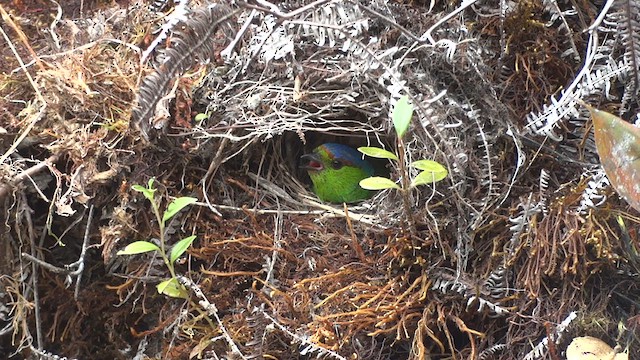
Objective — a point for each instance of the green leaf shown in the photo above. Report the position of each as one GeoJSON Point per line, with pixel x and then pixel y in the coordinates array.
{"type": "Point", "coordinates": [176, 205]}
{"type": "Point", "coordinates": [618, 145]}
{"type": "Point", "coordinates": [172, 288]}
{"type": "Point", "coordinates": [378, 183]}
{"type": "Point", "coordinates": [402, 114]}
{"type": "Point", "coordinates": [138, 247]}
{"type": "Point", "coordinates": [432, 172]}
{"type": "Point", "coordinates": [377, 152]}
{"type": "Point", "coordinates": [200, 116]}
{"type": "Point", "coordinates": [428, 165]}
{"type": "Point", "coordinates": [148, 192]}
{"type": "Point", "coordinates": [429, 177]}
{"type": "Point", "coordinates": [180, 247]}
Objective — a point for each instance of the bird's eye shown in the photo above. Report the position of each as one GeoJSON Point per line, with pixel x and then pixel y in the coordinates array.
{"type": "Point", "coordinates": [336, 164]}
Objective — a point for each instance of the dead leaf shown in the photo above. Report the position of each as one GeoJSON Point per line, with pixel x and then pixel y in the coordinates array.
{"type": "Point", "coordinates": [618, 144]}
{"type": "Point", "coordinates": [591, 348]}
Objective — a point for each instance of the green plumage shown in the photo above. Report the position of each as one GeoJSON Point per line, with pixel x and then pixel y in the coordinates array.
{"type": "Point", "coordinates": [336, 171]}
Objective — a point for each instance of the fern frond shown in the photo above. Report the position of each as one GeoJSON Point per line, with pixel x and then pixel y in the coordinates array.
{"type": "Point", "coordinates": [521, 222]}
{"type": "Point", "coordinates": [595, 82]}
{"type": "Point", "coordinates": [559, 20]}
{"type": "Point", "coordinates": [339, 19]}
{"type": "Point", "coordinates": [308, 347]}
{"type": "Point", "coordinates": [160, 5]}
{"type": "Point", "coordinates": [194, 42]}
{"type": "Point", "coordinates": [46, 355]}
{"type": "Point", "coordinates": [178, 14]}
{"type": "Point", "coordinates": [492, 351]}
{"type": "Point", "coordinates": [448, 283]}
{"type": "Point", "coordinates": [540, 349]}
{"type": "Point", "coordinates": [628, 26]}
{"type": "Point", "coordinates": [616, 31]}
{"type": "Point", "coordinates": [544, 186]}
{"type": "Point", "coordinates": [498, 283]}
{"type": "Point", "coordinates": [592, 195]}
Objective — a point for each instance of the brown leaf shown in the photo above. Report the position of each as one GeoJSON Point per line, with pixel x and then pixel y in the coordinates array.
{"type": "Point", "coordinates": [618, 144]}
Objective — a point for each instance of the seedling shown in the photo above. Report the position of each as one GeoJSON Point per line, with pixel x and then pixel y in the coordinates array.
{"type": "Point", "coordinates": [432, 171]}
{"type": "Point", "coordinates": [170, 287]}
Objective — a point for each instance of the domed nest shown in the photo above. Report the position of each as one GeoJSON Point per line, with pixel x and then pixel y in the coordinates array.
{"type": "Point", "coordinates": [520, 248]}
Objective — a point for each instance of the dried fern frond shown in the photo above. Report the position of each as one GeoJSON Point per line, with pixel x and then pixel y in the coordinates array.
{"type": "Point", "coordinates": [593, 196]}
{"type": "Point", "coordinates": [628, 29]}
{"type": "Point", "coordinates": [193, 42]}
{"type": "Point", "coordinates": [617, 33]}
{"type": "Point", "coordinates": [492, 287]}
{"type": "Point", "coordinates": [330, 24]}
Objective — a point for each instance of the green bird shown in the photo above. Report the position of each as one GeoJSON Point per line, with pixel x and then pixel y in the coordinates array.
{"type": "Point", "coordinates": [336, 171]}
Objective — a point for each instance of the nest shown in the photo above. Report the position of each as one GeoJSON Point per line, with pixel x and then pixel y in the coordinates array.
{"type": "Point", "coordinates": [522, 247]}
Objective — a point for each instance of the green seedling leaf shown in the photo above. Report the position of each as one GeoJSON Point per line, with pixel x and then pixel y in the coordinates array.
{"type": "Point", "coordinates": [147, 192]}
{"type": "Point", "coordinates": [432, 171]}
{"type": "Point", "coordinates": [138, 247]}
{"type": "Point", "coordinates": [377, 152]}
{"type": "Point", "coordinates": [138, 188]}
{"type": "Point", "coordinates": [172, 288]}
{"type": "Point", "coordinates": [618, 144]}
{"type": "Point", "coordinates": [378, 183]}
{"type": "Point", "coordinates": [176, 205]}
{"type": "Point", "coordinates": [428, 177]}
{"type": "Point", "coordinates": [180, 247]}
{"type": "Point", "coordinates": [200, 116]}
{"type": "Point", "coordinates": [402, 114]}
{"type": "Point", "coordinates": [428, 165]}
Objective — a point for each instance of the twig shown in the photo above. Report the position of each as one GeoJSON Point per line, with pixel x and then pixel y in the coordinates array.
{"type": "Point", "coordinates": [25, 41]}
{"type": "Point", "coordinates": [427, 35]}
{"type": "Point", "coordinates": [365, 219]}
{"type": "Point", "coordinates": [211, 171]}
{"type": "Point", "coordinates": [260, 211]}
{"type": "Point", "coordinates": [78, 265]}
{"type": "Point", "coordinates": [4, 188]}
{"type": "Point", "coordinates": [273, 189]}
{"type": "Point", "coordinates": [35, 118]}
{"type": "Point", "coordinates": [44, 264]}
{"type": "Point", "coordinates": [83, 252]}
{"type": "Point", "coordinates": [277, 245]}
{"type": "Point", "coordinates": [275, 11]}
{"type": "Point", "coordinates": [354, 240]}
{"type": "Point", "coordinates": [309, 345]}
{"type": "Point", "coordinates": [229, 49]}
{"type": "Point", "coordinates": [34, 271]}
{"type": "Point", "coordinates": [211, 309]}
{"type": "Point", "coordinates": [46, 355]}
{"type": "Point", "coordinates": [388, 20]}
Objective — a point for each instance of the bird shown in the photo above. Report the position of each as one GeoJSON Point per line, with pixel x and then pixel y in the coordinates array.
{"type": "Point", "coordinates": [335, 171]}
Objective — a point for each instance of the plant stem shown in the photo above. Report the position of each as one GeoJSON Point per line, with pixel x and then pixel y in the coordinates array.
{"type": "Point", "coordinates": [406, 188]}
{"type": "Point", "coordinates": [163, 252]}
